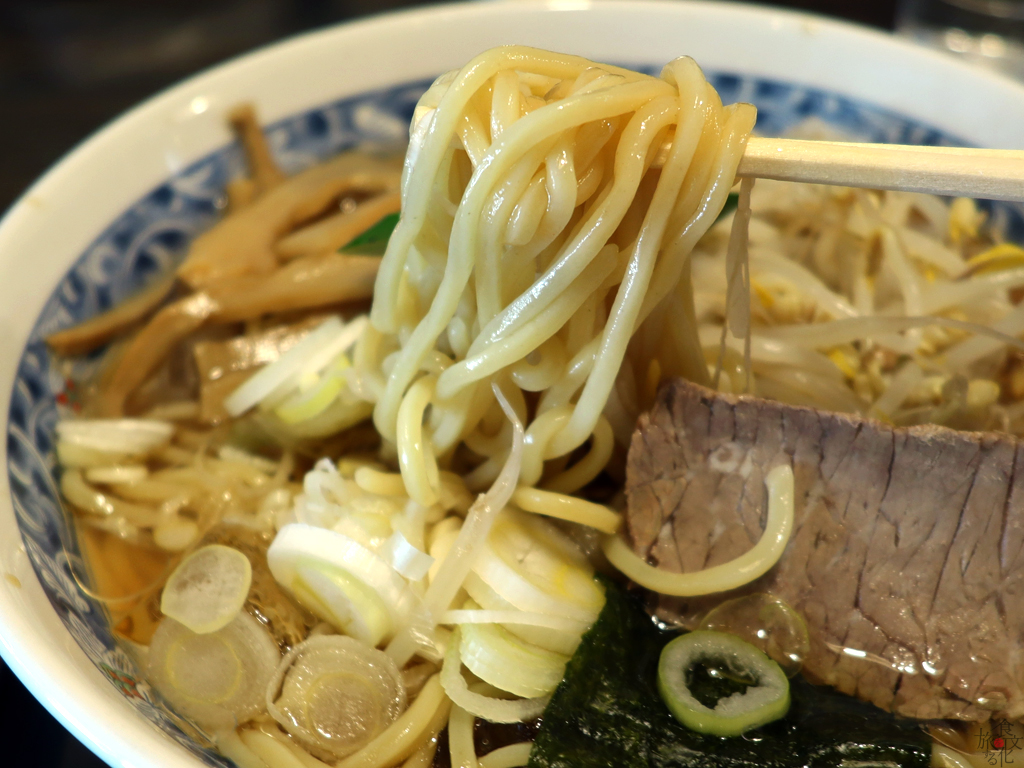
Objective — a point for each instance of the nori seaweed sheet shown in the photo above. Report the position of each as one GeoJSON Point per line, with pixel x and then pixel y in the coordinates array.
{"type": "Point", "coordinates": [607, 712]}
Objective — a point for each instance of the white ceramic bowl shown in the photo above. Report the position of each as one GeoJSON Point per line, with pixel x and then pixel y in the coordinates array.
{"type": "Point", "coordinates": [121, 204]}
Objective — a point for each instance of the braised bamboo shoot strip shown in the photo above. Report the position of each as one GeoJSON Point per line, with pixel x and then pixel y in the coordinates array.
{"type": "Point", "coordinates": [100, 329]}
{"type": "Point", "coordinates": [262, 167]}
{"type": "Point", "coordinates": [245, 243]}
{"type": "Point", "coordinates": [306, 283]}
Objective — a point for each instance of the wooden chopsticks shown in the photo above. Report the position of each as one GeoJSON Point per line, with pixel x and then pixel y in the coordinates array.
{"type": "Point", "coordinates": [992, 174]}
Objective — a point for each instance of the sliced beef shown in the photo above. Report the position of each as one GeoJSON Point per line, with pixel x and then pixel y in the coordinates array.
{"type": "Point", "coordinates": [906, 557]}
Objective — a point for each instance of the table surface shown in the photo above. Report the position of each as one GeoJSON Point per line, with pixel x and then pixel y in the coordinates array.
{"type": "Point", "coordinates": [61, 79]}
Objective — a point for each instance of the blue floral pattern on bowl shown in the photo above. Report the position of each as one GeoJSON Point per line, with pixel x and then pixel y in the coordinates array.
{"type": "Point", "coordinates": [151, 236]}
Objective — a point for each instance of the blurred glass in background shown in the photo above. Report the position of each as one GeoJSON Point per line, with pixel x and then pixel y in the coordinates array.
{"type": "Point", "coordinates": [985, 32]}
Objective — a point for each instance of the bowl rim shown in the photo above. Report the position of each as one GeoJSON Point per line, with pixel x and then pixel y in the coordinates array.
{"type": "Point", "coordinates": [58, 673]}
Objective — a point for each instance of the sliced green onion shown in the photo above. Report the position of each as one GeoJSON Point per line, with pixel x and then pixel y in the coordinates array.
{"type": "Point", "coordinates": [335, 694]}
{"type": "Point", "coordinates": [533, 548]}
{"type": "Point", "coordinates": [307, 358]}
{"type": "Point", "coordinates": [343, 582]}
{"type": "Point", "coordinates": [314, 396]}
{"type": "Point", "coordinates": [219, 679]}
{"type": "Point", "coordinates": [498, 657]}
{"type": "Point", "coordinates": [557, 640]}
{"type": "Point", "coordinates": [409, 561]}
{"type": "Point", "coordinates": [489, 708]}
{"type": "Point", "coordinates": [208, 588]}
{"type": "Point", "coordinates": [756, 688]}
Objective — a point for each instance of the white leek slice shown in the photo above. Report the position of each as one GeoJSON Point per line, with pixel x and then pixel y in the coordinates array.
{"type": "Point", "coordinates": [133, 437]}
{"type": "Point", "coordinates": [343, 582]}
{"type": "Point", "coordinates": [338, 345]}
{"type": "Point", "coordinates": [291, 364]}
{"type": "Point", "coordinates": [343, 600]}
{"type": "Point", "coordinates": [220, 679]}
{"type": "Point", "coordinates": [553, 639]}
{"type": "Point", "coordinates": [313, 399]}
{"type": "Point", "coordinates": [409, 561]}
{"type": "Point", "coordinates": [550, 536]}
{"type": "Point", "coordinates": [478, 616]}
{"type": "Point", "coordinates": [522, 593]}
{"type": "Point", "coordinates": [322, 357]}
{"type": "Point", "coordinates": [335, 694]}
{"type": "Point", "coordinates": [498, 657]}
{"type": "Point", "coordinates": [208, 588]}
{"type": "Point", "coordinates": [546, 562]}
{"type": "Point", "coordinates": [341, 414]}
{"type": "Point", "coordinates": [489, 708]}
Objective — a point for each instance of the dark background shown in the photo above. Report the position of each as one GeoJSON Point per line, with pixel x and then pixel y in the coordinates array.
{"type": "Point", "coordinates": [69, 66]}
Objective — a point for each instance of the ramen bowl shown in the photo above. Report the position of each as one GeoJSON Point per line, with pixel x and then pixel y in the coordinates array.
{"type": "Point", "coordinates": [124, 205]}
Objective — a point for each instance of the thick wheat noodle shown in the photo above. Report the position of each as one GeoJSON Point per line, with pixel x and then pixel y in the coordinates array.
{"type": "Point", "coordinates": [422, 757]}
{"type": "Point", "coordinates": [413, 454]}
{"type": "Point", "coordinates": [538, 374]}
{"type": "Point", "coordinates": [232, 747]}
{"type": "Point", "coordinates": [282, 738]}
{"type": "Point", "coordinates": [589, 466]}
{"type": "Point", "coordinates": [272, 752]}
{"type": "Point", "coordinates": [413, 728]}
{"type": "Point", "coordinates": [465, 241]}
{"type": "Point", "coordinates": [507, 757]}
{"type": "Point", "coordinates": [460, 738]}
{"type": "Point", "coordinates": [549, 206]}
{"type": "Point", "coordinates": [734, 573]}
{"type": "Point", "coordinates": [417, 197]}
{"type": "Point", "coordinates": [565, 507]}
{"type": "Point", "coordinates": [500, 159]}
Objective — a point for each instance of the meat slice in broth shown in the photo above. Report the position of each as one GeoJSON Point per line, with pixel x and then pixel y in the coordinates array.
{"type": "Point", "coordinates": [906, 556]}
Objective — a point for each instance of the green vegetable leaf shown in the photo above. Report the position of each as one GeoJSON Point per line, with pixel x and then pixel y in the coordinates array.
{"type": "Point", "coordinates": [731, 202]}
{"type": "Point", "coordinates": [374, 240]}
{"type": "Point", "coordinates": [607, 711]}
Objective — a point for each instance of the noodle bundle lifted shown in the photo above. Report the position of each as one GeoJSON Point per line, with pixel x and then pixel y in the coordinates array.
{"type": "Point", "coordinates": [549, 206]}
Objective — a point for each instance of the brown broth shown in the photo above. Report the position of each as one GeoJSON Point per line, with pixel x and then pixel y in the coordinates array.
{"type": "Point", "coordinates": [126, 577]}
